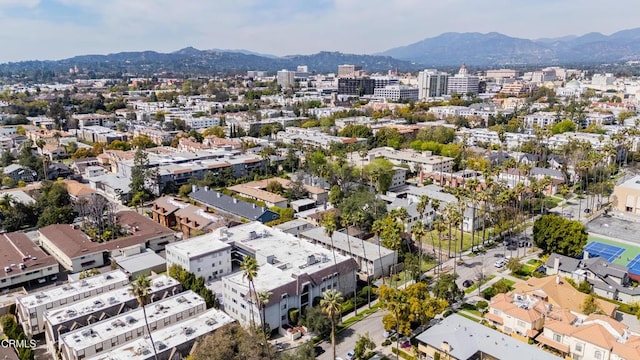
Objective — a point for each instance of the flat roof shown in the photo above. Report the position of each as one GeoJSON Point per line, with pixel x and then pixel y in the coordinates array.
{"type": "Point", "coordinates": [16, 249]}
{"type": "Point", "coordinates": [170, 337]}
{"type": "Point", "coordinates": [633, 183]}
{"type": "Point", "coordinates": [359, 247]}
{"type": "Point", "coordinates": [291, 224]}
{"type": "Point", "coordinates": [115, 326]}
{"type": "Point", "coordinates": [198, 246]}
{"type": "Point", "coordinates": [282, 257]}
{"type": "Point", "coordinates": [139, 262]}
{"type": "Point", "coordinates": [466, 337]}
{"type": "Point", "coordinates": [98, 303]}
{"type": "Point", "coordinates": [68, 291]}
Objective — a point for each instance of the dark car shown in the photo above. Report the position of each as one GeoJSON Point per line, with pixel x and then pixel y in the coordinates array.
{"type": "Point", "coordinates": [467, 283]}
{"type": "Point", "coordinates": [587, 211]}
{"type": "Point", "coordinates": [318, 350]}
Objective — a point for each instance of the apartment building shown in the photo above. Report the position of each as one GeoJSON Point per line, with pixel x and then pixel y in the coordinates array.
{"type": "Point", "coordinates": [171, 342]}
{"type": "Point", "coordinates": [416, 160]}
{"type": "Point", "coordinates": [541, 119]}
{"type": "Point", "coordinates": [100, 134]}
{"type": "Point", "coordinates": [292, 270]}
{"type": "Point", "coordinates": [314, 138]}
{"type": "Point", "coordinates": [23, 261]}
{"type": "Point", "coordinates": [85, 120]}
{"type": "Point", "coordinates": [373, 260]}
{"type": "Point", "coordinates": [190, 219]}
{"type": "Point", "coordinates": [205, 256]}
{"type": "Point", "coordinates": [203, 122]}
{"type": "Point", "coordinates": [397, 93]}
{"type": "Point", "coordinates": [31, 308]}
{"type": "Point", "coordinates": [110, 333]}
{"type": "Point", "coordinates": [76, 251]}
{"type": "Point", "coordinates": [463, 83]}
{"type": "Point", "coordinates": [103, 305]}
{"type": "Point", "coordinates": [626, 196]}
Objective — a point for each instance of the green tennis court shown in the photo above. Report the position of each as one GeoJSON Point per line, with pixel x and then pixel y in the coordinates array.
{"type": "Point", "coordinates": [626, 257]}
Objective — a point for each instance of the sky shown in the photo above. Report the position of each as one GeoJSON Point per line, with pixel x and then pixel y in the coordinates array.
{"type": "Point", "coordinates": [58, 29]}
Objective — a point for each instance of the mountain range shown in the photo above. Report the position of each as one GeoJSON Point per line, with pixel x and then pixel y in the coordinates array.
{"type": "Point", "coordinates": [445, 50]}
{"type": "Point", "coordinates": [493, 49]}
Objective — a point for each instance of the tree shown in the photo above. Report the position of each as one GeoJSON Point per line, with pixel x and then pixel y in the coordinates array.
{"type": "Point", "coordinates": [447, 289]}
{"type": "Point", "coordinates": [555, 234]}
{"type": "Point", "coordinates": [514, 265]}
{"type": "Point", "coordinates": [316, 320]}
{"type": "Point", "coordinates": [331, 304]}
{"type": "Point", "coordinates": [230, 342]}
{"type": "Point", "coordinates": [590, 306]}
{"type": "Point", "coordinates": [140, 289]}
{"type": "Point", "coordinates": [363, 344]}
{"type": "Point", "coordinates": [217, 131]}
{"type": "Point", "coordinates": [263, 299]}
{"type": "Point", "coordinates": [305, 351]}
{"type": "Point", "coordinates": [250, 269]}
{"type": "Point", "coordinates": [142, 177]}
{"type": "Point", "coordinates": [409, 307]}
{"type": "Point", "coordinates": [142, 141]}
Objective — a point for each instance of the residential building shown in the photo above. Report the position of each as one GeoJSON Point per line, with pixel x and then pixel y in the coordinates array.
{"type": "Point", "coordinates": [314, 138]}
{"type": "Point", "coordinates": [205, 256]}
{"type": "Point", "coordinates": [190, 219]}
{"type": "Point", "coordinates": [76, 251]}
{"type": "Point", "coordinates": [463, 83]}
{"type": "Point", "coordinates": [171, 342]}
{"type": "Point", "coordinates": [295, 226]}
{"type": "Point", "coordinates": [541, 119]}
{"type": "Point", "coordinates": [373, 260]}
{"type": "Point", "coordinates": [286, 79]}
{"type": "Point", "coordinates": [22, 261]}
{"type": "Point", "coordinates": [145, 263]}
{"type": "Point", "coordinates": [432, 83]}
{"type": "Point", "coordinates": [107, 304]}
{"type": "Point", "coordinates": [202, 122]}
{"type": "Point", "coordinates": [456, 337]}
{"type": "Point", "coordinates": [416, 160]}
{"type": "Point", "coordinates": [31, 308]}
{"type": "Point", "coordinates": [18, 172]}
{"type": "Point", "coordinates": [500, 74]}
{"type": "Point", "coordinates": [397, 93]}
{"type": "Point", "coordinates": [159, 137]}
{"type": "Point", "coordinates": [292, 270]}
{"type": "Point", "coordinates": [626, 196]}
{"type": "Point", "coordinates": [257, 190]}
{"type": "Point", "coordinates": [85, 120]}
{"type": "Point", "coordinates": [100, 134]}
{"type": "Point", "coordinates": [110, 333]}
{"type": "Point", "coordinates": [233, 206]}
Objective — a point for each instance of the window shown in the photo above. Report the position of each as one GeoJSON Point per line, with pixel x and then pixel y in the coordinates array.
{"type": "Point", "coordinates": [597, 354]}
{"type": "Point", "coordinates": [557, 338]}
{"type": "Point", "coordinates": [521, 323]}
{"type": "Point", "coordinates": [629, 209]}
{"type": "Point", "coordinates": [579, 347]}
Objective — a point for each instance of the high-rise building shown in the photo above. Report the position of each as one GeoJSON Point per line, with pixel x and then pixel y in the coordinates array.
{"type": "Point", "coordinates": [348, 71]}
{"type": "Point", "coordinates": [286, 78]}
{"type": "Point", "coordinates": [463, 83]}
{"type": "Point", "coordinates": [432, 83]}
{"type": "Point", "coordinates": [356, 86]}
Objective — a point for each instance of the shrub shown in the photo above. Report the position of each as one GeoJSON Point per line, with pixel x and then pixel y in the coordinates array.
{"type": "Point", "coordinates": [387, 342]}
{"type": "Point", "coordinates": [467, 306]}
{"type": "Point", "coordinates": [482, 304]}
{"type": "Point", "coordinates": [293, 314]}
{"type": "Point", "coordinates": [447, 313]}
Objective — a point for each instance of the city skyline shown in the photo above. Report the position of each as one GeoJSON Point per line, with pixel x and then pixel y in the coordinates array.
{"type": "Point", "coordinates": [57, 29]}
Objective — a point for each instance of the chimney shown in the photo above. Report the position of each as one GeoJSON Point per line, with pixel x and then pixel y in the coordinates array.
{"type": "Point", "coordinates": [445, 347]}
{"type": "Point", "coordinates": [556, 264]}
{"type": "Point", "coordinates": [254, 206]}
{"type": "Point", "coordinates": [235, 201]}
{"type": "Point", "coordinates": [585, 256]}
{"type": "Point", "coordinates": [194, 188]}
{"type": "Point", "coordinates": [558, 279]}
{"type": "Point", "coordinates": [218, 195]}
{"type": "Point", "coordinates": [206, 188]}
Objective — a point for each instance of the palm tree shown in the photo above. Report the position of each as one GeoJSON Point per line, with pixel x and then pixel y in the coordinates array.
{"type": "Point", "coordinates": [5, 201]}
{"type": "Point", "coordinates": [140, 289]}
{"type": "Point", "coordinates": [418, 230]}
{"type": "Point", "coordinates": [263, 299]}
{"type": "Point", "coordinates": [250, 269]}
{"type": "Point", "coordinates": [346, 221]}
{"type": "Point", "coordinates": [473, 195]}
{"type": "Point", "coordinates": [330, 226]}
{"type": "Point", "coordinates": [331, 304]}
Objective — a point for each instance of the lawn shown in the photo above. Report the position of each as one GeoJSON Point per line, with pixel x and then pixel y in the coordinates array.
{"type": "Point", "coordinates": [473, 287]}
{"type": "Point", "coordinates": [432, 236]}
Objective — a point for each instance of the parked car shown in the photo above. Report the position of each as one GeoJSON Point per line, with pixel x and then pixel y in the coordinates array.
{"type": "Point", "coordinates": [586, 211]}
{"type": "Point", "coordinates": [350, 355]}
{"type": "Point", "coordinates": [318, 350]}
{"type": "Point", "coordinates": [467, 283]}
{"type": "Point", "coordinates": [388, 334]}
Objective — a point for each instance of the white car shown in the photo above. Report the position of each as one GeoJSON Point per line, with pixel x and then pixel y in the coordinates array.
{"type": "Point", "coordinates": [350, 355]}
{"type": "Point", "coordinates": [498, 264]}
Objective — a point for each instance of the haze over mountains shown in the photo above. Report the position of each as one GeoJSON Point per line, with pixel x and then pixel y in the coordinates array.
{"type": "Point", "coordinates": [498, 49]}
{"type": "Point", "coordinates": [448, 49]}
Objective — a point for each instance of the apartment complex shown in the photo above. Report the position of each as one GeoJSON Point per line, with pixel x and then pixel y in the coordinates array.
{"type": "Point", "coordinates": [31, 308]}
{"type": "Point", "coordinates": [432, 83]}
{"type": "Point", "coordinates": [463, 83]}
{"type": "Point", "coordinates": [626, 196]}
{"type": "Point", "coordinates": [292, 270]}
{"type": "Point", "coordinates": [22, 261]}
{"type": "Point", "coordinates": [205, 256]}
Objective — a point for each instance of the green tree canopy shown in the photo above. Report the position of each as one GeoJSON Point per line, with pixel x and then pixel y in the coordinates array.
{"type": "Point", "coordinates": [409, 307]}
{"type": "Point", "coordinates": [555, 234]}
{"type": "Point", "coordinates": [447, 289]}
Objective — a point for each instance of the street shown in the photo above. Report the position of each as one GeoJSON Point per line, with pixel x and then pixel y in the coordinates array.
{"type": "Point", "coordinates": [346, 340]}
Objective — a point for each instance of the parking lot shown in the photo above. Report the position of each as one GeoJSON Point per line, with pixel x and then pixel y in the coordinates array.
{"type": "Point", "coordinates": [615, 227]}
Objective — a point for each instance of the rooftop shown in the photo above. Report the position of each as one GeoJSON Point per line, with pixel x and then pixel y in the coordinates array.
{"type": "Point", "coordinates": [129, 321]}
{"type": "Point", "coordinates": [170, 337]}
{"type": "Point", "coordinates": [282, 257]}
{"type": "Point", "coordinates": [198, 246]}
{"type": "Point", "coordinates": [633, 183]}
{"type": "Point", "coordinates": [108, 299]}
{"type": "Point", "coordinates": [466, 338]}
{"type": "Point", "coordinates": [228, 204]}
{"type": "Point", "coordinates": [341, 241]}
{"type": "Point", "coordinates": [68, 291]}
{"type": "Point", "coordinates": [19, 254]}
{"type": "Point", "coordinates": [139, 262]}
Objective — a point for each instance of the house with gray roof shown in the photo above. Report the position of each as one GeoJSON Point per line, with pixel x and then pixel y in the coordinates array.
{"type": "Point", "coordinates": [607, 279]}
{"type": "Point", "coordinates": [20, 173]}
{"type": "Point", "coordinates": [456, 337]}
{"type": "Point", "coordinates": [217, 200]}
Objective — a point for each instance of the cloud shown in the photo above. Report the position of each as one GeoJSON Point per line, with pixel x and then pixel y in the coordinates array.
{"type": "Point", "coordinates": [63, 28]}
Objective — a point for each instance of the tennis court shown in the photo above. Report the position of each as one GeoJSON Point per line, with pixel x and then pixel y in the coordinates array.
{"type": "Point", "coordinates": [634, 265]}
{"type": "Point", "coordinates": [605, 251]}
{"type": "Point", "coordinates": [610, 249]}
